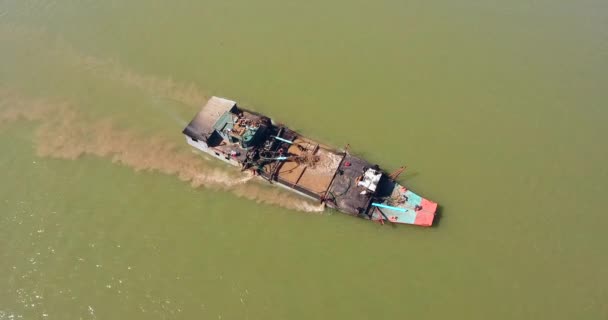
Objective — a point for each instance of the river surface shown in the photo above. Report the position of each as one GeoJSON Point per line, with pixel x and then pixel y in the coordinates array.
{"type": "Point", "coordinates": [498, 108]}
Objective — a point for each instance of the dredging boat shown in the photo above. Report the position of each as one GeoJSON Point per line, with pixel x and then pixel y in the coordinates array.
{"type": "Point", "coordinates": [274, 152]}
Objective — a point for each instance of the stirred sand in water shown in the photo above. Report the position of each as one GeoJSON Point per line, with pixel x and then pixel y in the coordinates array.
{"type": "Point", "coordinates": [64, 134]}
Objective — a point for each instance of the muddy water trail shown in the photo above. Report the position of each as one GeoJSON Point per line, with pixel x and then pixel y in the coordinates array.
{"type": "Point", "coordinates": [64, 134]}
{"type": "Point", "coordinates": [496, 108]}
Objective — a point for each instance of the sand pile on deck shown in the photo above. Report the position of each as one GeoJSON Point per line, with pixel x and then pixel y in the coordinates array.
{"type": "Point", "coordinates": [328, 162]}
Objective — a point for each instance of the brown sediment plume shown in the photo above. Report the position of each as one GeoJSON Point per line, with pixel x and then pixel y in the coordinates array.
{"type": "Point", "coordinates": [56, 47]}
{"type": "Point", "coordinates": [63, 133]}
{"type": "Point", "coordinates": [185, 93]}
{"type": "Point", "coordinates": [13, 108]}
{"type": "Point", "coordinates": [188, 94]}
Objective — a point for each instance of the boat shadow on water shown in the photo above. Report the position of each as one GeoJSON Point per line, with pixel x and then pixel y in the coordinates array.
{"type": "Point", "coordinates": [438, 216]}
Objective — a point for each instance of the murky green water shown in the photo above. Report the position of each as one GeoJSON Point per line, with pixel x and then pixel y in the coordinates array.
{"type": "Point", "coordinates": [498, 109]}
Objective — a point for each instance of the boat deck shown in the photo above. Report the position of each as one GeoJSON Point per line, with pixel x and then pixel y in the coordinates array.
{"type": "Point", "coordinates": [401, 205]}
{"type": "Point", "coordinates": [311, 167]}
{"type": "Point", "coordinates": [344, 192]}
{"type": "Point", "coordinates": [232, 150]}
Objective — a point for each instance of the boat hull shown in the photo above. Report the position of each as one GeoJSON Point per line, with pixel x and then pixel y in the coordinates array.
{"type": "Point", "coordinates": [338, 179]}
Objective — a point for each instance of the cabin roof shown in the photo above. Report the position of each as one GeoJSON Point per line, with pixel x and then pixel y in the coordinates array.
{"type": "Point", "coordinates": [202, 124]}
{"type": "Point", "coordinates": [224, 122]}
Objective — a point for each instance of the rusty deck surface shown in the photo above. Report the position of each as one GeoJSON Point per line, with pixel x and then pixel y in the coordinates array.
{"type": "Point", "coordinates": [316, 177]}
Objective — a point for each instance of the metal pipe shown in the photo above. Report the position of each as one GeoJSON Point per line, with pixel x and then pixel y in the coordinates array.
{"type": "Point", "coordinates": [284, 140]}
{"type": "Point", "coordinates": [380, 205]}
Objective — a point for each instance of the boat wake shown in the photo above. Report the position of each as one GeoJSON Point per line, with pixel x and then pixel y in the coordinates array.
{"type": "Point", "coordinates": [63, 133]}
{"type": "Point", "coordinates": [54, 47]}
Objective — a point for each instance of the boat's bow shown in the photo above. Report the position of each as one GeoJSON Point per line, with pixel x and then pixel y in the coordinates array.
{"type": "Point", "coordinates": [404, 206]}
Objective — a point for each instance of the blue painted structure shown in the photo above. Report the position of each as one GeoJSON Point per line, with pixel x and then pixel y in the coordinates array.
{"type": "Point", "coordinates": [380, 205]}
{"type": "Point", "coordinates": [284, 140]}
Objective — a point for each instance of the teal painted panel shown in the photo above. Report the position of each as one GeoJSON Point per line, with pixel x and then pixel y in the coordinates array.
{"type": "Point", "coordinates": [413, 198]}
{"type": "Point", "coordinates": [406, 216]}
